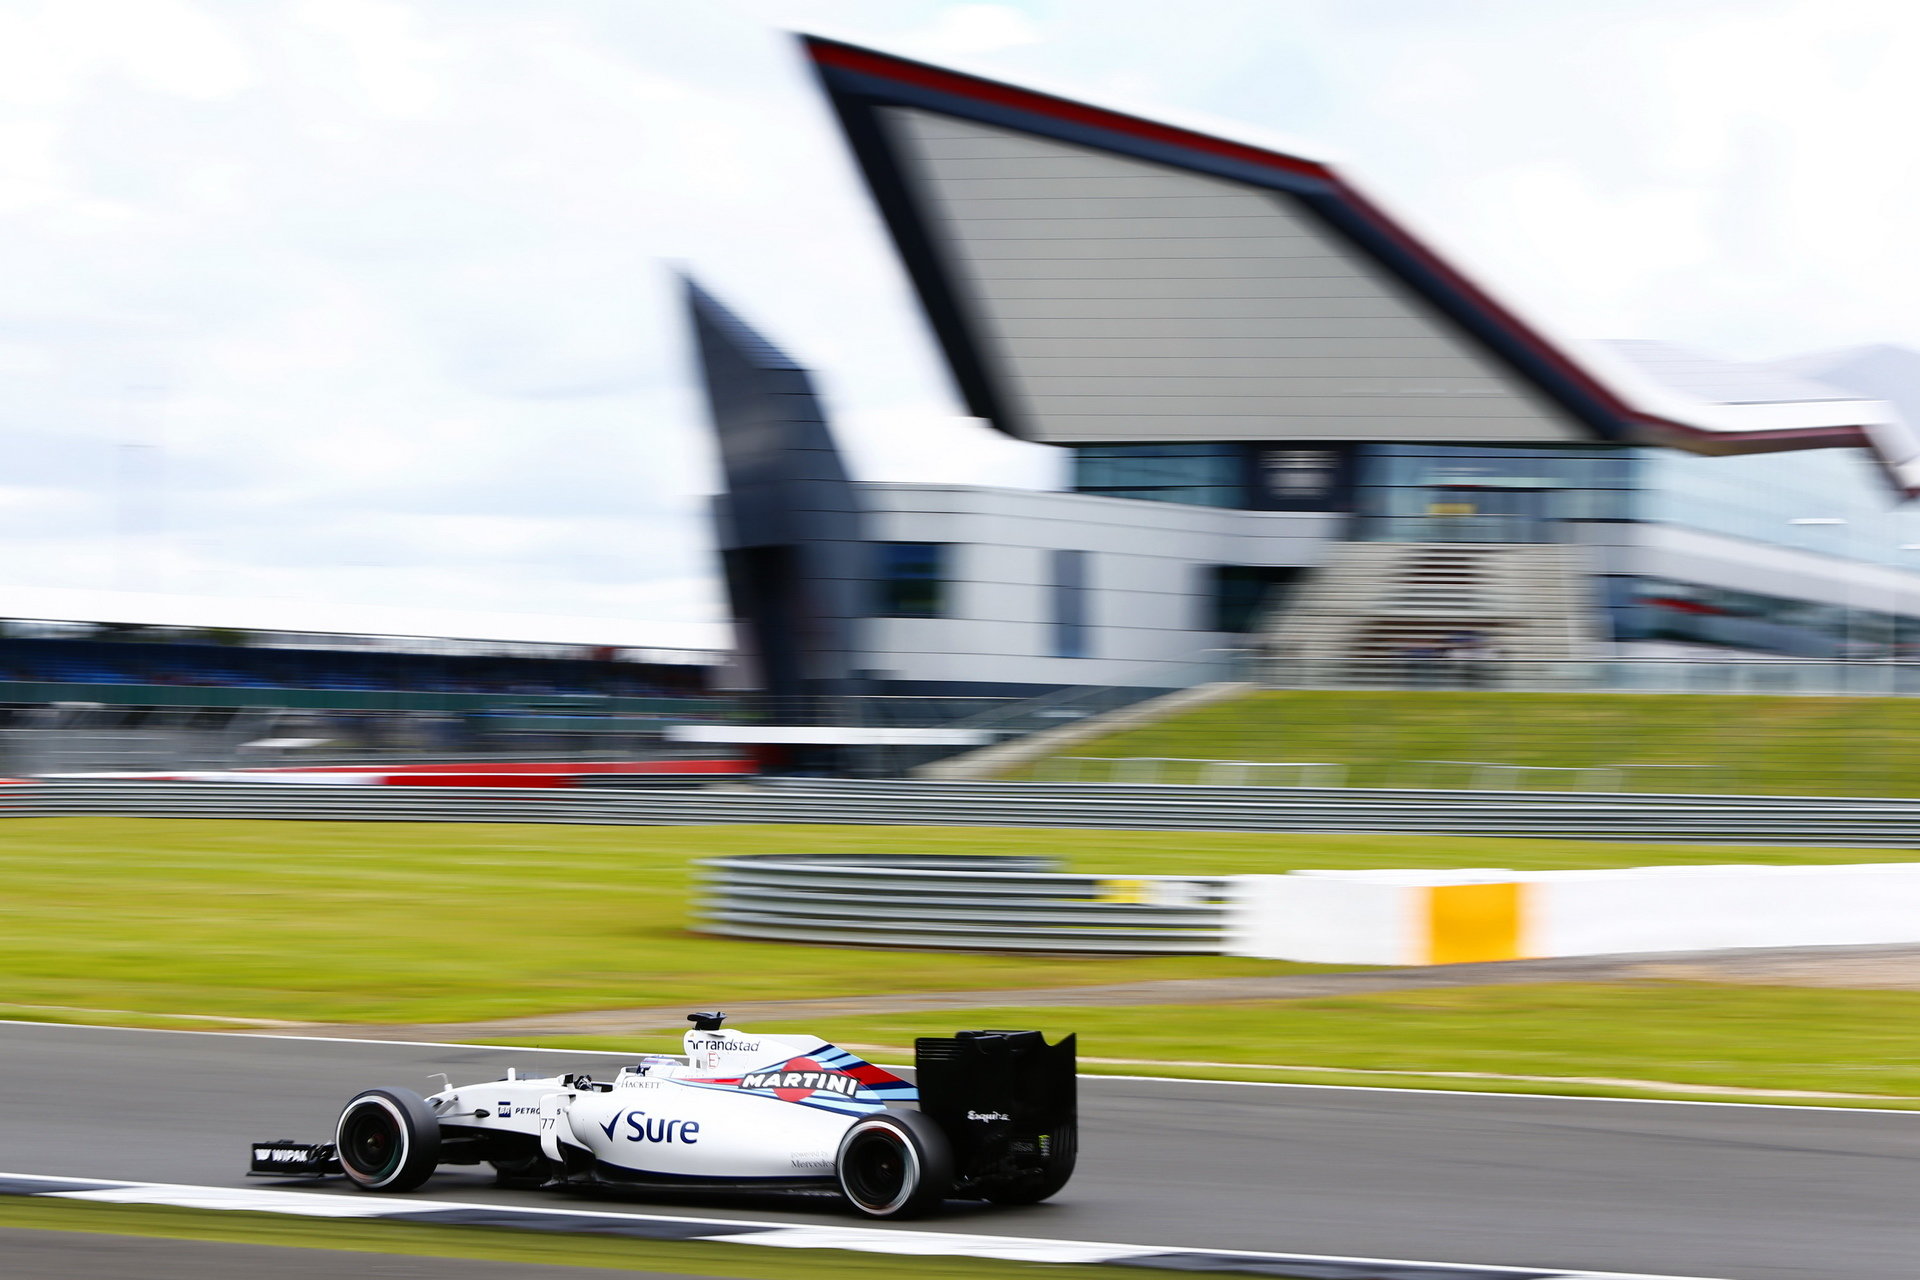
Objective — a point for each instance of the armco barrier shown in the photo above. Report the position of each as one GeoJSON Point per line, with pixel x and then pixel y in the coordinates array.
{"type": "Point", "coordinates": [996, 903]}
{"type": "Point", "coordinates": [1709, 819]}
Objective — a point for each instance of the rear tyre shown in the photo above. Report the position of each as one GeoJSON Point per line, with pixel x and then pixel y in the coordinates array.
{"type": "Point", "coordinates": [1056, 1166]}
{"type": "Point", "coordinates": [894, 1165]}
{"type": "Point", "coordinates": [388, 1140]}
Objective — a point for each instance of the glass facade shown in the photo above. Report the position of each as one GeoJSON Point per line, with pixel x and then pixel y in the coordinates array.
{"type": "Point", "coordinates": [1499, 493]}
{"type": "Point", "coordinates": [1828, 501]}
{"type": "Point", "coordinates": [1201, 475]}
{"type": "Point", "coordinates": [1758, 498]}
{"type": "Point", "coordinates": [1687, 613]}
{"type": "Point", "coordinates": [911, 579]}
{"type": "Point", "coordinates": [1468, 493]}
{"type": "Point", "coordinates": [1489, 493]}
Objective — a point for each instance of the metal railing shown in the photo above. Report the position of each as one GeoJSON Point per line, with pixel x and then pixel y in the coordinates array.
{"type": "Point", "coordinates": [1879, 677]}
{"type": "Point", "coordinates": [76, 736]}
{"type": "Point", "coordinates": [1079, 702]}
{"type": "Point", "coordinates": [993, 903]}
{"type": "Point", "coordinates": [1803, 820]}
{"type": "Point", "coordinates": [81, 736]}
{"type": "Point", "coordinates": [1206, 769]}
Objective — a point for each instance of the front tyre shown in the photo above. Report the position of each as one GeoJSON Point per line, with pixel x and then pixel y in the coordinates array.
{"type": "Point", "coordinates": [388, 1140]}
{"type": "Point", "coordinates": [894, 1165]}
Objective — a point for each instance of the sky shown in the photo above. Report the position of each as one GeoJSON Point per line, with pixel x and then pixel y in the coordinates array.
{"type": "Point", "coordinates": [371, 304]}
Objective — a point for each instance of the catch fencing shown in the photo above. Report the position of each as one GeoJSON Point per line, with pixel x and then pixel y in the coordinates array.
{"type": "Point", "coordinates": [1711, 819]}
{"type": "Point", "coordinates": [996, 903]}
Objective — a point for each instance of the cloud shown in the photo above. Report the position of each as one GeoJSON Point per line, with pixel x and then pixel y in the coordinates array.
{"type": "Point", "coordinates": [382, 288]}
{"type": "Point", "coordinates": [963, 30]}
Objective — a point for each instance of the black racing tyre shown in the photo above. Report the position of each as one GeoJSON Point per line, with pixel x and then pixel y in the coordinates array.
{"type": "Point", "coordinates": [896, 1164]}
{"type": "Point", "coordinates": [523, 1173]}
{"type": "Point", "coordinates": [1056, 1166]}
{"type": "Point", "coordinates": [388, 1140]}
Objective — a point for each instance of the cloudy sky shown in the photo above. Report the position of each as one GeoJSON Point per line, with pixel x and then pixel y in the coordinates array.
{"type": "Point", "coordinates": [371, 302]}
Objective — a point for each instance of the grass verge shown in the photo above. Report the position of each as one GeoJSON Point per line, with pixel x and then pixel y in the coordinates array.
{"type": "Point", "coordinates": [140, 921]}
{"type": "Point", "coordinates": [690, 1258]}
{"type": "Point", "coordinates": [1657, 742]}
{"type": "Point", "coordinates": [1581, 1039]}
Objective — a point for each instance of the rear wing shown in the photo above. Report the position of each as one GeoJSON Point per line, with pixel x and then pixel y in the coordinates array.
{"type": "Point", "coordinates": [996, 1094]}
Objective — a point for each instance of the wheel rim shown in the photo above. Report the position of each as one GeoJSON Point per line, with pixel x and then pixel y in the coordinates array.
{"type": "Point", "coordinates": [372, 1143]}
{"type": "Point", "coordinates": [879, 1169]}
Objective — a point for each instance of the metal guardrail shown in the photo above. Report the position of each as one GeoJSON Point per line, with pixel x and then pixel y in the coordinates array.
{"type": "Point", "coordinates": [1881, 677]}
{"type": "Point", "coordinates": [993, 903]}
{"type": "Point", "coordinates": [1708, 819]}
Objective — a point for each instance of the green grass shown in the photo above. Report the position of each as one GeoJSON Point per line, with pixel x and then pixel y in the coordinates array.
{"type": "Point", "coordinates": [1755, 745]}
{"type": "Point", "coordinates": [402, 922]}
{"type": "Point", "coordinates": [1788, 1038]}
{"type": "Point", "coordinates": [417, 922]}
{"type": "Point", "coordinates": [377, 922]}
{"type": "Point", "coordinates": [689, 1258]}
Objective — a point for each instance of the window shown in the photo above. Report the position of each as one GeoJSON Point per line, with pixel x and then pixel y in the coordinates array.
{"type": "Point", "coordinates": [912, 580]}
{"type": "Point", "coordinates": [1483, 493]}
{"type": "Point", "coordinates": [1204, 475]}
{"type": "Point", "coordinates": [1291, 479]}
{"type": "Point", "coordinates": [1239, 596]}
{"type": "Point", "coordinates": [1070, 604]}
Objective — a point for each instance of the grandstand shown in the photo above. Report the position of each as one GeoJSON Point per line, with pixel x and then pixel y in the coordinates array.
{"type": "Point", "coordinates": [104, 693]}
{"type": "Point", "coordinates": [128, 658]}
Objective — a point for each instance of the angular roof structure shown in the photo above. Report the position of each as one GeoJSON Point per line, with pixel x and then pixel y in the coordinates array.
{"type": "Point", "coordinates": [1097, 276]}
{"type": "Point", "coordinates": [793, 543]}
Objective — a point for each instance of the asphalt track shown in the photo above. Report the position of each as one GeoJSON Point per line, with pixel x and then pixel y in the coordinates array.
{"type": "Point", "coordinates": [1746, 1193]}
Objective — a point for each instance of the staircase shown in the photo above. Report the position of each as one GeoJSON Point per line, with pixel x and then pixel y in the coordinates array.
{"type": "Point", "coordinates": [1381, 613]}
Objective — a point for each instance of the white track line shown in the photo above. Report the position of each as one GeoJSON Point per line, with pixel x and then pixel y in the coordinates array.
{"type": "Point", "coordinates": [780, 1235]}
{"type": "Point", "coordinates": [1139, 1079]}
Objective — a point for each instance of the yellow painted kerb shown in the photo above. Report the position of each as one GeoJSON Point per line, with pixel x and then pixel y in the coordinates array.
{"type": "Point", "coordinates": [1469, 922]}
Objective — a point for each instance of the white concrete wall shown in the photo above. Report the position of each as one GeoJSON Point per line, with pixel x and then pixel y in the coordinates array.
{"type": "Point", "coordinates": [1148, 604]}
{"type": "Point", "coordinates": [1584, 913]}
{"type": "Point", "coordinates": [1330, 918]}
{"type": "Point", "coordinates": [1396, 917]}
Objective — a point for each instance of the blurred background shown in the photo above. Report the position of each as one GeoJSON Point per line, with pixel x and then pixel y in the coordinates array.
{"type": "Point", "coordinates": [1353, 542]}
{"type": "Point", "coordinates": [357, 397]}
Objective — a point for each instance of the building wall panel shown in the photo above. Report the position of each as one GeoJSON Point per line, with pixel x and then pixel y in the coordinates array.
{"type": "Point", "coordinates": [1147, 573]}
{"type": "Point", "coordinates": [1055, 245]}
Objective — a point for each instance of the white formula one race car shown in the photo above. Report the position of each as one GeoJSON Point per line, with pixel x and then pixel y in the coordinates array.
{"type": "Point", "coordinates": [996, 1121]}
